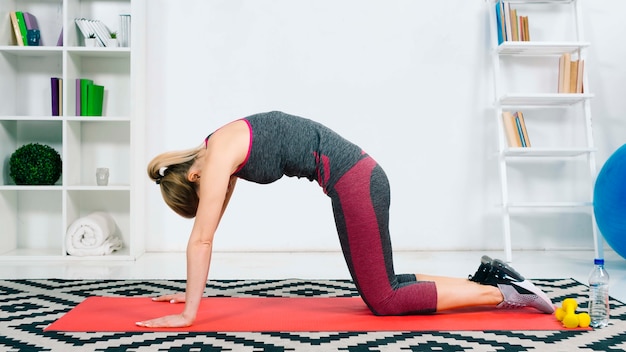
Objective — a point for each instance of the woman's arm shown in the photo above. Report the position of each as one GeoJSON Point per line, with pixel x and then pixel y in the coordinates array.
{"type": "Point", "coordinates": [213, 195]}
{"type": "Point", "coordinates": [180, 297]}
{"type": "Point", "coordinates": [225, 152]}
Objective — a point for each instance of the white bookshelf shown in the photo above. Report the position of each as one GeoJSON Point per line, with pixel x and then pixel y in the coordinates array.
{"type": "Point", "coordinates": [35, 218]}
{"type": "Point", "coordinates": [555, 175]}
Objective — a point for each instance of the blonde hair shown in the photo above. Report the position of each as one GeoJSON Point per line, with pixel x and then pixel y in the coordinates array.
{"type": "Point", "coordinates": [170, 170]}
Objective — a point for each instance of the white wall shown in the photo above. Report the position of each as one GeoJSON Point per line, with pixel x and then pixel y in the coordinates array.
{"type": "Point", "coordinates": [409, 81]}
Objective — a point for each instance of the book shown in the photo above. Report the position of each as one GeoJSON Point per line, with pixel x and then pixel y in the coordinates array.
{"type": "Point", "coordinates": [500, 22]}
{"type": "Point", "coordinates": [16, 29]}
{"type": "Point", "coordinates": [30, 20]}
{"type": "Point", "coordinates": [102, 32]}
{"type": "Point", "coordinates": [95, 28]}
{"type": "Point", "coordinates": [526, 29]}
{"type": "Point", "coordinates": [567, 72]}
{"type": "Point", "coordinates": [524, 32]}
{"type": "Point", "coordinates": [77, 96]}
{"type": "Point", "coordinates": [54, 90]}
{"type": "Point", "coordinates": [580, 76]}
{"type": "Point", "coordinates": [22, 24]}
{"type": "Point", "coordinates": [565, 63]}
{"type": "Point", "coordinates": [83, 29]}
{"type": "Point", "coordinates": [515, 129]}
{"type": "Point", "coordinates": [31, 23]}
{"type": "Point", "coordinates": [510, 129]}
{"type": "Point", "coordinates": [507, 20]}
{"type": "Point", "coordinates": [573, 77]}
{"type": "Point", "coordinates": [89, 97]}
{"type": "Point", "coordinates": [510, 26]}
{"type": "Point", "coordinates": [84, 83]}
{"type": "Point", "coordinates": [60, 81]}
{"type": "Point", "coordinates": [514, 25]}
{"type": "Point", "coordinates": [95, 99]}
{"type": "Point", "coordinates": [520, 132]}
{"type": "Point", "coordinates": [571, 74]}
{"type": "Point", "coordinates": [20, 38]}
{"type": "Point", "coordinates": [60, 40]}
{"type": "Point", "coordinates": [524, 133]}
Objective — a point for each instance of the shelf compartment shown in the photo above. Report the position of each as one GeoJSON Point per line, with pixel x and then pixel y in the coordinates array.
{"type": "Point", "coordinates": [49, 16]}
{"type": "Point", "coordinates": [31, 220]}
{"type": "Point", "coordinates": [18, 132]}
{"type": "Point", "coordinates": [107, 67]}
{"type": "Point", "coordinates": [106, 11]}
{"type": "Point", "coordinates": [95, 143]}
{"type": "Point", "coordinates": [535, 185]}
{"type": "Point", "coordinates": [81, 203]}
{"type": "Point", "coordinates": [25, 84]}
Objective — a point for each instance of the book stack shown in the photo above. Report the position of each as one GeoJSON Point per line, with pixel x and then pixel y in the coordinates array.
{"type": "Point", "coordinates": [89, 98]}
{"type": "Point", "coordinates": [515, 129]}
{"type": "Point", "coordinates": [94, 29]}
{"type": "Point", "coordinates": [22, 22]}
{"type": "Point", "coordinates": [571, 74]}
{"type": "Point", "coordinates": [56, 88]}
{"type": "Point", "coordinates": [510, 26]}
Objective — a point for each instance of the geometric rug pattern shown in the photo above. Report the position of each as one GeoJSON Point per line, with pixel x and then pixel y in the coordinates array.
{"type": "Point", "coordinates": [28, 306]}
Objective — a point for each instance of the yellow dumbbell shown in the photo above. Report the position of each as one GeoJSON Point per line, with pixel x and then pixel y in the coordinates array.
{"type": "Point", "coordinates": [567, 315]}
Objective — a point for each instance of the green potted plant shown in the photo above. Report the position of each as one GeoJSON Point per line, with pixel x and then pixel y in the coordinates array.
{"type": "Point", "coordinates": [112, 42]}
{"type": "Point", "coordinates": [35, 164]}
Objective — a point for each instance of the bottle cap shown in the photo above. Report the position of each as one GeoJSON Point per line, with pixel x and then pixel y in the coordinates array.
{"type": "Point", "coordinates": [598, 261]}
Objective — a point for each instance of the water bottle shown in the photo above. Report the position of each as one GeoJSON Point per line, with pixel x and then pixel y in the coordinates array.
{"type": "Point", "coordinates": [599, 295]}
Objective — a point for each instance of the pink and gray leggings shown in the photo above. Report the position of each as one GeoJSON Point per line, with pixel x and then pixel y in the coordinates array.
{"type": "Point", "coordinates": [361, 200]}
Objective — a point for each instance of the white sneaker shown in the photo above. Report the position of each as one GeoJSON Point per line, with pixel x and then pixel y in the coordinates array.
{"type": "Point", "coordinates": [524, 294]}
{"type": "Point", "coordinates": [516, 290]}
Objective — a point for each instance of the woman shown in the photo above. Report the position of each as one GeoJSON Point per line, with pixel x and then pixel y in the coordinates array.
{"type": "Point", "coordinates": [264, 147]}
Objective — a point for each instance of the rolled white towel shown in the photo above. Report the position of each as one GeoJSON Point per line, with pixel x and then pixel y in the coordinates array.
{"type": "Point", "coordinates": [93, 234]}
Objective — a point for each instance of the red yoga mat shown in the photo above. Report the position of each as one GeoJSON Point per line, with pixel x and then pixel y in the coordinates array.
{"type": "Point", "coordinates": [219, 314]}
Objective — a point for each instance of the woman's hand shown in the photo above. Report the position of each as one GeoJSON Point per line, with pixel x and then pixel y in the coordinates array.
{"type": "Point", "coordinates": [168, 321]}
{"type": "Point", "coordinates": [173, 298]}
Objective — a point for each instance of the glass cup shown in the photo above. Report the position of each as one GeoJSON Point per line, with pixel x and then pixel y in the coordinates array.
{"type": "Point", "coordinates": [102, 176]}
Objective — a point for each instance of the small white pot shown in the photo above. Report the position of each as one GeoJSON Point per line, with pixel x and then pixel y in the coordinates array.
{"type": "Point", "coordinates": [90, 42]}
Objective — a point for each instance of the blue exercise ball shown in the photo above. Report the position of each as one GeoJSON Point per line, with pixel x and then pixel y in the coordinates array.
{"type": "Point", "coordinates": [609, 201]}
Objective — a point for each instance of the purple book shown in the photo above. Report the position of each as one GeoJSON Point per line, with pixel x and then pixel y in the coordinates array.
{"type": "Point", "coordinates": [60, 40]}
{"type": "Point", "coordinates": [77, 96]}
{"type": "Point", "coordinates": [54, 84]}
{"type": "Point", "coordinates": [31, 23]}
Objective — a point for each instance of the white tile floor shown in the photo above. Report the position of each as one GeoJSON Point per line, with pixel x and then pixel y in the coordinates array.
{"type": "Point", "coordinates": [323, 265]}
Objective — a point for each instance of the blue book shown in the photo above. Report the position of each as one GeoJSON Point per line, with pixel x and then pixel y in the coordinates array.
{"type": "Point", "coordinates": [520, 130]}
{"type": "Point", "coordinates": [499, 22]}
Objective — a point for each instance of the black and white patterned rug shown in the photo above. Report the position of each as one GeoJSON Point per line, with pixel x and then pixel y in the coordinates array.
{"type": "Point", "coordinates": [28, 306]}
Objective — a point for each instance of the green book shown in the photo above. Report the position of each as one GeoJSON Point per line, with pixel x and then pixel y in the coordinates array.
{"type": "Point", "coordinates": [22, 24]}
{"type": "Point", "coordinates": [84, 83]}
{"type": "Point", "coordinates": [95, 98]}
